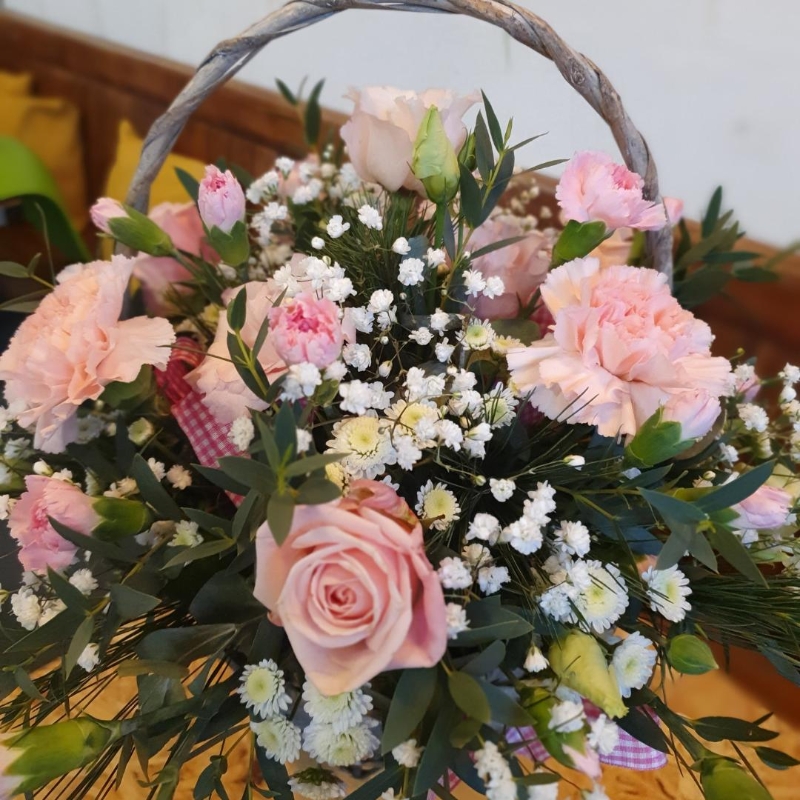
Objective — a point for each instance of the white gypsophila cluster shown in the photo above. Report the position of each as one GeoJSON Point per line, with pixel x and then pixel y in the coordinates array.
{"type": "Point", "coordinates": [567, 716]}
{"type": "Point", "coordinates": [456, 619]}
{"type": "Point", "coordinates": [366, 444]}
{"type": "Point", "coordinates": [526, 534]}
{"type": "Point", "coordinates": [633, 662]}
{"type": "Point", "coordinates": [535, 661]}
{"type": "Point", "coordinates": [357, 356]}
{"type": "Point", "coordinates": [744, 377]}
{"type": "Point", "coordinates": [476, 555]}
{"type": "Point", "coordinates": [316, 783]}
{"type": "Point", "coordinates": [241, 433]}
{"type": "Point", "coordinates": [454, 573]}
{"type": "Point", "coordinates": [278, 737]}
{"type": "Point", "coordinates": [437, 506]}
{"type": "Point", "coordinates": [179, 477]}
{"type": "Point", "coordinates": [358, 397]}
{"type": "Point", "coordinates": [301, 380]}
{"type": "Point", "coordinates": [89, 657]}
{"type": "Point", "coordinates": [485, 527]}
{"type": "Point", "coordinates": [573, 538]}
{"type": "Point", "coordinates": [411, 271]}
{"type": "Point", "coordinates": [370, 217]}
{"type": "Point", "coordinates": [124, 487]}
{"type": "Point", "coordinates": [158, 468]}
{"type": "Point", "coordinates": [492, 578]}
{"type": "Point", "coordinates": [26, 608]}
{"type": "Point", "coordinates": [336, 226]}
{"type": "Point", "coordinates": [545, 791]}
{"type": "Point", "coordinates": [6, 506]}
{"type": "Point", "coordinates": [84, 581]}
{"type": "Point", "coordinates": [340, 749]}
{"type": "Point", "coordinates": [603, 735]}
{"type": "Point", "coordinates": [667, 591]}
{"type": "Point", "coordinates": [754, 417]}
{"type": "Point", "coordinates": [575, 461]}
{"type": "Point", "coordinates": [262, 688]}
{"type": "Point", "coordinates": [407, 754]}
{"type": "Point", "coordinates": [494, 771]}
{"type": "Point", "coordinates": [340, 711]}
{"type": "Point", "coordinates": [187, 534]}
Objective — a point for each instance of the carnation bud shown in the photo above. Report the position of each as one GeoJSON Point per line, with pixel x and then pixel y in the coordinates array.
{"type": "Point", "coordinates": [106, 209]}
{"type": "Point", "coordinates": [435, 161]}
{"type": "Point", "coordinates": [220, 199]}
{"type": "Point", "coordinates": [575, 461]}
{"type": "Point", "coordinates": [36, 756]}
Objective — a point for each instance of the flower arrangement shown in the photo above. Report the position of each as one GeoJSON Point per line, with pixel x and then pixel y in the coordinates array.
{"type": "Point", "coordinates": [358, 462]}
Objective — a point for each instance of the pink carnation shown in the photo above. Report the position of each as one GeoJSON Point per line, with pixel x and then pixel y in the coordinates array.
{"type": "Point", "coordinates": [40, 545]}
{"type": "Point", "coordinates": [220, 199]}
{"type": "Point", "coordinates": [621, 347]}
{"type": "Point", "coordinates": [160, 276]}
{"type": "Point", "coordinates": [74, 345]}
{"type": "Point", "coordinates": [306, 329]}
{"type": "Point", "coordinates": [594, 188]}
{"type": "Point", "coordinates": [697, 411]}
{"type": "Point", "coordinates": [767, 508]}
{"type": "Point", "coordinates": [354, 589]}
{"type": "Point", "coordinates": [225, 393]}
{"type": "Point", "coordinates": [522, 265]}
{"type": "Point", "coordinates": [106, 209]}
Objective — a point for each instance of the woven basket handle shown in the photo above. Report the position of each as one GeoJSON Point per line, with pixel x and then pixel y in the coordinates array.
{"type": "Point", "coordinates": [231, 55]}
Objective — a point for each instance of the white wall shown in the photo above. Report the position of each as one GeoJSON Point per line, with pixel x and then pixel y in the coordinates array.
{"type": "Point", "coordinates": [713, 84]}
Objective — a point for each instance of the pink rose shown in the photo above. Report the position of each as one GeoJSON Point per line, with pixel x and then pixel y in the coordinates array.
{"type": "Point", "coordinates": [765, 509]}
{"type": "Point", "coordinates": [40, 546]}
{"type": "Point", "coordinates": [621, 347]}
{"type": "Point", "coordinates": [74, 345]}
{"type": "Point", "coordinates": [306, 328]}
{"type": "Point", "coordinates": [354, 589]}
{"type": "Point", "coordinates": [594, 188]}
{"type": "Point", "coordinates": [220, 199]}
{"type": "Point", "coordinates": [522, 265]}
{"type": "Point", "coordinates": [104, 210]}
{"type": "Point", "coordinates": [225, 393]}
{"type": "Point", "coordinates": [383, 127]}
{"type": "Point", "coordinates": [159, 276]}
{"type": "Point", "coordinates": [697, 411]}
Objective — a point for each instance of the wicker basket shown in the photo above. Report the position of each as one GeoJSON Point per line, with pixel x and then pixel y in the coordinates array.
{"type": "Point", "coordinates": [524, 26]}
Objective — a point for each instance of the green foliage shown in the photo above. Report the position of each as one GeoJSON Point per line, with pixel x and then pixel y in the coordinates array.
{"type": "Point", "coordinates": [578, 239]}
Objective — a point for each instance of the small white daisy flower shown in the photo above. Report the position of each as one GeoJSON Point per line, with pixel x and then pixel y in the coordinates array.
{"type": "Point", "coordinates": [633, 662]}
{"type": "Point", "coordinates": [667, 591]}
{"type": "Point", "coordinates": [340, 711]}
{"type": "Point", "coordinates": [342, 749]}
{"type": "Point", "coordinates": [316, 783]}
{"type": "Point", "coordinates": [278, 737]}
{"type": "Point", "coordinates": [262, 688]}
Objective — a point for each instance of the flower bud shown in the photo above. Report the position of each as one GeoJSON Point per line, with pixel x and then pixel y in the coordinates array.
{"type": "Point", "coordinates": [119, 517]}
{"type": "Point", "coordinates": [435, 162]}
{"type": "Point", "coordinates": [220, 199]}
{"type": "Point", "coordinates": [140, 431]}
{"type": "Point", "coordinates": [38, 755]}
{"type": "Point", "coordinates": [724, 779]}
{"type": "Point", "coordinates": [106, 209]}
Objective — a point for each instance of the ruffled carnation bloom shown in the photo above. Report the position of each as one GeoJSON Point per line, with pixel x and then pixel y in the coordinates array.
{"type": "Point", "coordinates": [158, 276]}
{"type": "Point", "coordinates": [595, 188]}
{"type": "Point", "coordinates": [620, 348]}
{"type": "Point", "coordinates": [383, 127]}
{"type": "Point", "coordinates": [766, 509]}
{"type": "Point", "coordinates": [220, 199]}
{"type": "Point", "coordinates": [522, 266]}
{"type": "Point", "coordinates": [40, 545]}
{"type": "Point", "coordinates": [224, 392]}
{"type": "Point", "coordinates": [74, 345]}
{"type": "Point", "coordinates": [353, 588]}
{"type": "Point", "coordinates": [306, 328]}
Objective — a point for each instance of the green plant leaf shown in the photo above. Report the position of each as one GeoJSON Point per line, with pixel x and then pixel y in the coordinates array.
{"type": "Point", "coordinates": [152, 491]}
{"type": "Point", "coordinates": [409, 703]}
{"type": "Point", "coordinates": [130, 603]}
{"type": "Point", "coordinates": [280, 513]}
{"type": "Point", "coordinates": [741, 488]}
{"type": "Point", "coordinates": [577, 240]}
{"type": "Point", "coordinates": [718, 729]}
{"type": "Point", "coordinates": [184, 645]}
{"type": "Point", "coordinates": [78, 644]}
{"type": "Point", "coordinates": [775, 759]}
{"type": "Point", "coordinates": [730, 547]}
{"type": "Point", "coordinates": [213, 547]}
{"type": "Point", "coordinates": [469, 696]}
{"type": "Point", "coordinates": [487, 660]}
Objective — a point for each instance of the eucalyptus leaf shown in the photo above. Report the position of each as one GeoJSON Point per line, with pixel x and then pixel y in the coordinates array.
{"type": "Point", "coordinates": [410, 701]}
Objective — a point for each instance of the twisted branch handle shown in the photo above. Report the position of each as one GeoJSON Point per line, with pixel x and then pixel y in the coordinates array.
{"type": "Point", "coordinates": [524, 26]}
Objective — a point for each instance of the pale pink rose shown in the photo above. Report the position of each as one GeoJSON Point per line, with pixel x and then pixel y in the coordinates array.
{"type": "Point", "coordinates": [224, 392]}
{"type": "Point", "coordinates": [220, 199]}
{"type": "Point", "coordinates": [594, 188]}
{"type": "Point", "coordinates": [621, 347]}
{"type": "Point", "coordinates": [306, 328]}
{"type": "Point", "coordinates": [522, 265]}
{"type": "Point", "coordinates": [354, 590]}
{"type": "Point", "coordinates": [765, 509]}
{"type": "Point", "coordinates": [40, 546]}
{"type": "Point", "coordinates": [158, 276]}
{"type": "Point", "coordinates": [104, 210]}
{"type": "Point", "coordinates": [74, 345]}
{"type": "Point", "coordinates": [383, 127]}
{"type": "Point", "coordinates": [696, 411]}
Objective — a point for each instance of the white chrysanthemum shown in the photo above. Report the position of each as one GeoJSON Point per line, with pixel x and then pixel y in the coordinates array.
{"type": "Point", "coordinates": [454, 573]}
{"type": "Point", "coordinates": [367, 446]}
{"type": "Point", "coordinates": [179, 477]}
{"type": "Point", "coordinates": [437, 503]}
{"type": "Point", "coordinates": [341, 711]}
{"type": "Point", "coordinates": [262, 688]}
{"type": "Point", "coordinates": [567, 716]}
{"type": "Point", "coordinates": [241, 433]}
{"type": "Point", "coordinates": [573, 538]}
{"type": "Point", "coordinates": [604, 735]}
{"type": "Point", "coordinates": [89, 658]}
{"type": "Point", "coordinates": [535, 661]}
{"type": "Point", "coordinates": [456, 618]}
{"type": "Point", "coordinates": [500, 407]}
{"type": "Point", "coordinates": [633, 663]}
{"type": "Point", "coordinates": [27, 609]}
{"type": "Point", "coordinates": [278, 737]}
{"type": "Point", "coordinates": [341, 749]}
{"type": "Point", "coordinates": [409, 415]}
{"type": "Point", "coordinates": [83, 581]}
{"type": "Point", "coordinates": [502, 488]}
{"type": "Point", "coordinates": [478, 335]}
{"type": "Point", "coordinates": [667, 590]}
{"type": "Point", "coordinates": [316, 783]}
{"type": "Point", "coordinates": [407, 754]}
{"type": "Point", "coordinates": [605, 599]}
{"type": "Point", "coordinates": [187, 534]}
